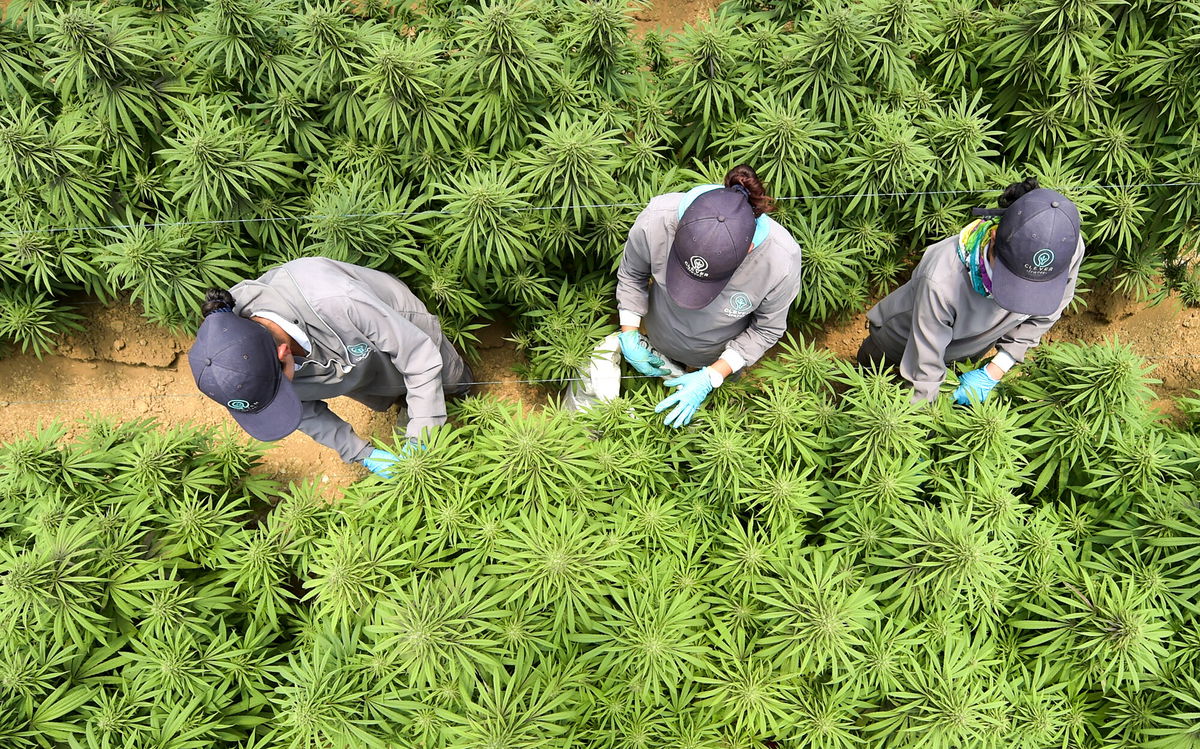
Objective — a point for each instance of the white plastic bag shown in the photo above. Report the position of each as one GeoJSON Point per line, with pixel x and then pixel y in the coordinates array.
{"type": "Point", "coordinates": [601, 381]}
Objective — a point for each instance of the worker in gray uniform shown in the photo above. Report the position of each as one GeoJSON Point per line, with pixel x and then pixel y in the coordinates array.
{"type": "Point", "coordinates": [710, 277]}
{"type": "Point", "coordinates": [1002, 282]}
{"type": "Point", "coordinates": [271, 350]}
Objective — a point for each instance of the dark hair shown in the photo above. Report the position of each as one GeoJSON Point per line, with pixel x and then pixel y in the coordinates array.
{"type": "Point", "coordinates": [216, 300]}
{"type": "Point", "coordinates": [743, 176]}
{"type": "Point", "coordinates": [1016, 190]}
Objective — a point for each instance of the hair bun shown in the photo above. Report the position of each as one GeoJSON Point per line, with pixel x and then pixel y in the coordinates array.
{"type": "Point", "coordinates": [1016, 190]}
{"type": "Point", "coordinates": [743, 179]}
{"type": "Point", "coordinates": [217, 300]}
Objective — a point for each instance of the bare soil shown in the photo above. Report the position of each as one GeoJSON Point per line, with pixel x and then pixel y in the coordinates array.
{"type": "Point", "coordinates": [124, 367]}
{"type": "Point", "coordinates": [671, 15]}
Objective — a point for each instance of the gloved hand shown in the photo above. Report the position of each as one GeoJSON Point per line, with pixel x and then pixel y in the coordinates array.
{"type": "Point", "coordinates": [974, 387]}
{"type": "Point", "coordinates": [380, 462]}
{"type": "Point", "coordinates": [690, 391]}
{"type": "Point", "coordinates": [637, 352]}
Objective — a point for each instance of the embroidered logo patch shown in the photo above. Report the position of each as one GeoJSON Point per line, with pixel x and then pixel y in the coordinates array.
{"type": "Point", "coordinates": [1043, 258]}
{"type": "Point", "coordinates": [739, 305]}
{"type": "Point", "coordinates": [359, 351]}
{"type": "Point", "coordinates": [237, 404]}
{"type": "Point", "coordinates": [697, 266]}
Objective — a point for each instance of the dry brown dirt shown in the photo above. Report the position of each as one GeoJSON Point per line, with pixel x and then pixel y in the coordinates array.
{"type": "Point", "coordinates": [670, 16]}
{"type": "Point", "coordinates": [123, 367]}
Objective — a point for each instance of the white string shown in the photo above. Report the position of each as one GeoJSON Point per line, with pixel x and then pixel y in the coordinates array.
{"type": "Point", "coordinates": [150, 396]}
{"type": "Point", "coordinates": [832, 196]}
{"type": "Point", "coordinates": [443, 212]}
{"type": "Point", "coordinates": [988, 189]}
{"type": "Point", "coordinates": [197, 395]}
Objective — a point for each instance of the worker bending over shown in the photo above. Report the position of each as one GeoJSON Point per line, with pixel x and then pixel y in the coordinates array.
{"type": "Point", "coordinates": [1002, 282]}
{"type": "Point", "coordinates": [710, 278]}
{"type": "Point", "coordinates": [272, 349]}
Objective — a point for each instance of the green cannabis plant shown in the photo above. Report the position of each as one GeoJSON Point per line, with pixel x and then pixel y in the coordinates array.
{"type": "Point", "coordinates": [878, 574]}
{"type": "Point", "coordinates": [496, 145]}
{"type": "Point", "coordinates": [816, 562]}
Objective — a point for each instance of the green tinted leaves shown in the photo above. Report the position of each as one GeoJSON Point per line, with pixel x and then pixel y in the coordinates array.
{"type": "Point", "coordinates": [569, 164]}
{"type": "Point", "coordinates": [216, 163]}
{"type": "Point", "coordinates": [34, 322]}
{"type": "Point", "coordinates": [562, 562]}
{"type": "Point", "coordinates": [786, 141]}
{"type": "Point", "coordinates": [1104, 628]}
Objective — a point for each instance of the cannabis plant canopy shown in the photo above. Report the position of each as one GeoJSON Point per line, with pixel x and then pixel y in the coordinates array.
{"type": "Point", "coordinates": [488, 153]}
{"type": "Point", "coordinates": [815, 562]}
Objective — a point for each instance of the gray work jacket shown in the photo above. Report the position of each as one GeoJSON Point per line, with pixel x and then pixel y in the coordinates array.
{"type": "Point", "coordinates": [372, 340]}
{"type": "Point", "coordinates": [749, 315]}
{"type": "Point", "coordinates": [937, 318]}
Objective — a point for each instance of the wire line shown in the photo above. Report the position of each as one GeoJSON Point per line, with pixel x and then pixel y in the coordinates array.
{"type": "Point", "coordinates": [150, 396]}
{"type": "Point", "coordinates": [199, 394]}
{"type": "Point", "coordinates": [444, 212]}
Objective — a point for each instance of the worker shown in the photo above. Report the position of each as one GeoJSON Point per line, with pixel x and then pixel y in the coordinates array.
{"type": "Point", "coordinates": [1001, 282]}
{"type": "Point", "coordinates": [271, 350]}
{"type": "Point", "coordinates": [710, 277]}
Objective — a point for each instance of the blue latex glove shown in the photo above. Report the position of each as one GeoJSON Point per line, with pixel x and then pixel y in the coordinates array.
{"type": "Point", "coordinates": [380, 462]}
{"type": "Point", "coordinates": [690, 391]}
{"type": "Point", "coordinates": [636, 351]}
{"type": "Point", "coordinates": [974, 387]}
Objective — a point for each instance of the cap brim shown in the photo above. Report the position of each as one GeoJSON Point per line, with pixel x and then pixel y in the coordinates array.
{"type": "Point", "coordinates": [277, 420]}
{"type": "Point", "coordinates": [687, 291]}
{"type": "Point", "coordinates": [1025, 297]}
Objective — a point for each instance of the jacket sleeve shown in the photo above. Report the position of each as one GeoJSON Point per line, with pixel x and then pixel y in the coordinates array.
{"type": "Point", "coordinates": [634, 272]}
{"type": "Point", "coordinates": [329, 429]}
{"type": "Point", "coordinates": [415, 355]}
{"type": "Point", "coordinates": [768, 322]}
{"type": "Point", "coordinates": [1017, 342]}
{"type": "Point", "coordinates": [924, 362]}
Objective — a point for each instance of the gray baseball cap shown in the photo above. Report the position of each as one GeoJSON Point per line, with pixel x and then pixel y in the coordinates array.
{"type": "Point", "coordinates": [711, 242]}
{"type": "Point", "coordinates": [1036, 242]}
{"type": "Point", "coordinates": [234, 362]}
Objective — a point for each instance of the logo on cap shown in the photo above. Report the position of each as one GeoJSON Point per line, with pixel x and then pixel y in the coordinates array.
{"type": "Point", "coordinates": [1043, 258]}
{"type": "Point", "coordinates": [237, 404]}
{"type": "Point", "coordinates": [697, 266]}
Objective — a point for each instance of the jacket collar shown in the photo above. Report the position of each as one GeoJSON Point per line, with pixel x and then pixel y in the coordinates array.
{"type": "Point", "coordinates": [283, 297]}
